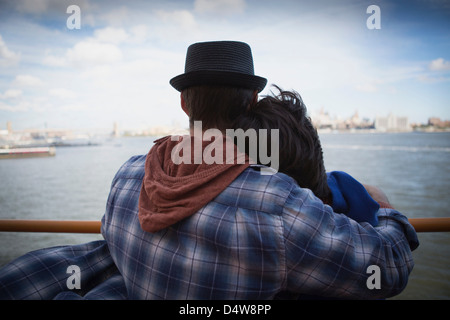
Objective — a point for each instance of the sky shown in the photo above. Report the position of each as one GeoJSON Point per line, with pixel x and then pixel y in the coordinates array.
{"type": "Point", "coordinates": [117, 65]}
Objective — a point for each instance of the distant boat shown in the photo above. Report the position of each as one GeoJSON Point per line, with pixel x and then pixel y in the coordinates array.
{"type": "Point", "coordinates": [27, 152]}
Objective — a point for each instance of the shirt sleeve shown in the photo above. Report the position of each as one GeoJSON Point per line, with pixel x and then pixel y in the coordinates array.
{"type": "Point", "coordinates": [331, 255]}
{"type": "Point", "coordinates": [132, 170]}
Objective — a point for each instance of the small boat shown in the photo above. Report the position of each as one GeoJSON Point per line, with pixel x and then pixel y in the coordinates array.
{"type": "Point", "coordinates": [27, 152]}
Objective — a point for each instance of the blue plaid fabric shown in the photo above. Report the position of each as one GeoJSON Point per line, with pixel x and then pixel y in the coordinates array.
{"type": "Point", "coordinates": [262, 238]}
{"type": "Point", "coordinates": [44, 274]}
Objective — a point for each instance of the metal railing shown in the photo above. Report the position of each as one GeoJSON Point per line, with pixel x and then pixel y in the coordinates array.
{"type": "Point", "coordinates": [75, 226]}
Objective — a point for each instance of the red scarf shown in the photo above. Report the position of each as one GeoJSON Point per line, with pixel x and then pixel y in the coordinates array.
{"type": "Point", "coordinates": [171, 192]}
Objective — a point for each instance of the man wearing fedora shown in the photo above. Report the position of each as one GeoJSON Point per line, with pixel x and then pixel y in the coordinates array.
{"type": "Point", "coordinates": [193, 230]}
{"type": "Point", "coordinates": [225, 231]}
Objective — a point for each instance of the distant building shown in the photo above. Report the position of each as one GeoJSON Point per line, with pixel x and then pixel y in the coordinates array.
{"type": "Point", "coordinates": [392, 123]}
{"type": "Point", "coordinates": [9, 127]}
{"type": "Point", "coordinates": [115, 133]}
{"type": "Point", "coordinates": [437, 122]}
{"type": "Point", "coordinates": [323, 120]}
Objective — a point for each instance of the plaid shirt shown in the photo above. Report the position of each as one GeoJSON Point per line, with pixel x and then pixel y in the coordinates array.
{"type": "Point", "coordinates": [262, 238]}
{"type": "Point", "coordinates": [45, 274]}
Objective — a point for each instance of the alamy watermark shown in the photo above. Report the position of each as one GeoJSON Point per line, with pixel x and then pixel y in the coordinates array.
{"type": "Point", "coordinates": [74, 280]}
{"type": "Point", "coordinates": [374, 21]}
{"type": "Point", "coordinates": [374, 280]}
{"type": "Point", "coordinates": [74, 20]}
{"type": "Point", "coordinates": [255, 142]}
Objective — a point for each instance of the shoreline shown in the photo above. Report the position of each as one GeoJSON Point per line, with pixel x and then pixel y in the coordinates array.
{"type": "Point", "coordinates": [375, 131]}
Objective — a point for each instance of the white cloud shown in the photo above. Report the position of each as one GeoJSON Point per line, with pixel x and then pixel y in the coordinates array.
{"type": "Point", "coordinates": [26, 80]}
{"type": "Point", "coordinates": [366, 87]}
{"type": "Point", "coordinates": [115, 17]}
{"type": "Point", "coordinates": [439, 65]}
{"type": "Point", "coordinates": [62, 93]}
{"type": "Point", "coordinates": [174, 26]}
{"type": "Point", "coordinates": [22, 106]}
{"type": "Point", "coordinates": [180, 18]}
{"type": "Point", "coordinates": [100, 49]}
{"type": "Point", "coordinates": [11, 94]}
{"type": "Point", "coordinates": [7, 57]}
{"type": "Point", "coordinates": [111, 35]}
{"type": "Point", "coordinates": [427, 78]}
{"type": "Point", "coordinates": [74, 107]}
{"type": "Point", "coordinates": [220, 7]}
{"type": "Point", "coordinates": [54, 61]}
{"type": "Point", "coordinates": [92, 53]}
{"type": "Point", "coordinates": [6, 107]}
{"type": "Point", "coordinates": [139, 33]}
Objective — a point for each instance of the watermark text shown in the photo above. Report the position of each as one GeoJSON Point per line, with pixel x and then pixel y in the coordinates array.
{"type": "Point", "coordinates": [74, 20]}
{"type": "Point", "coordinates": [374, 21]}
{"type": "Point", "coordinates": [374, 280]}
{"type": "Point", "coordinates": [74, 280]}
{"type": "Point", "coordinates": [256, 142]}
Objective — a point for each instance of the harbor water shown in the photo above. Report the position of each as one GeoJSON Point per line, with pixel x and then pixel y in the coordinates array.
{"type": "Point", "coordinates": [412, 168]}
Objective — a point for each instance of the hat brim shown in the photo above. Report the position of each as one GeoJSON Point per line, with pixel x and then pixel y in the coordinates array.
{"type": "Point", "coordinates": [218, 77]}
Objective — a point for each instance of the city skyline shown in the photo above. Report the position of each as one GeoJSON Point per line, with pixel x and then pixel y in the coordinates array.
{"type": "Point", "coordinates": [317, 117]}
{"type": "Point", "coordinates": [115, 66]}
{"type": "Point", "coordinates": [322, 121]}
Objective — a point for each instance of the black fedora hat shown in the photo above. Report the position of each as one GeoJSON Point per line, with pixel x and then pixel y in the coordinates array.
{"type": "Point", "coordinates": [228, 63]}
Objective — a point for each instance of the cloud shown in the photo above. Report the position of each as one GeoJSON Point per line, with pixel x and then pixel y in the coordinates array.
{"type": "Point", "coordinates": [435, 72]}
{"type": "Point", "coordinates": [48, 7]}
{"type": "Point", "coordinates": [93, 53]}
{"type": "Point", "coordinates": [111, 35]}
{"type": "Point", "coordinates": [54, 61]}
{"type": "Point", "coordinates": [125, 54]}
{"type": "Point", "coordinates": [22, 106]}
{"type": "Point", "coordinates": [6, 107]}
{"type": "Point", "coordinates": [11, 94]}
{"type": "Point", "coordinates": [427, 78]}
{"type": "Point", "coordinates": [74, 107]}
{"type": "Point", "coordinates": [174, 26]}
{"type": "Point", "coordinates": [139, 33]}
{"type": "Point", "coordinates": [219, 7]}
{"type": "Point", "coordinates": [62, 93]}
{"type": "Point", "coordinates": [7, 57]}
{"type": "Point", "coordinates": [100, 49]}
{"type": "Point", "coordinates": [180, 18]}
{"type": "Point", "coordinates": [26, 80]}
{"type": "Point", "coordinates": [117, 16]}
{"type": "Point", "coordinates": [367, 87]}
{"type": "Point", "coordinates": [439, 65]}
{"type": "Point", "coordinates": [32, 6]}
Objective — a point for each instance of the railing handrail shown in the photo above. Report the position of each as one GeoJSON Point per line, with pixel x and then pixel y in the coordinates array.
{"type": "Point", "coordinates": [59, 226]}
{"type": "Point", "coordinates": [90, 226]}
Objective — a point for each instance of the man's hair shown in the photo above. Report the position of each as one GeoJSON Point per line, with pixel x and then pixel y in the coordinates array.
{"type": "Point", "coordinates": [300, 150]}
{"type": "Point", "coordinates": [216, 106]}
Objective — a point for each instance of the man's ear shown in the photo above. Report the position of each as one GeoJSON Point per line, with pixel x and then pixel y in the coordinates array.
{"type": "Point", "coordinates": [183, 105]}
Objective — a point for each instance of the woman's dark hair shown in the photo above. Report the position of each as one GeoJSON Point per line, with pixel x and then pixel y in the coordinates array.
{"type": "Point", "coordinates": [300, 151]}
{"type": "Point", "coordinates": [216, 106]}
